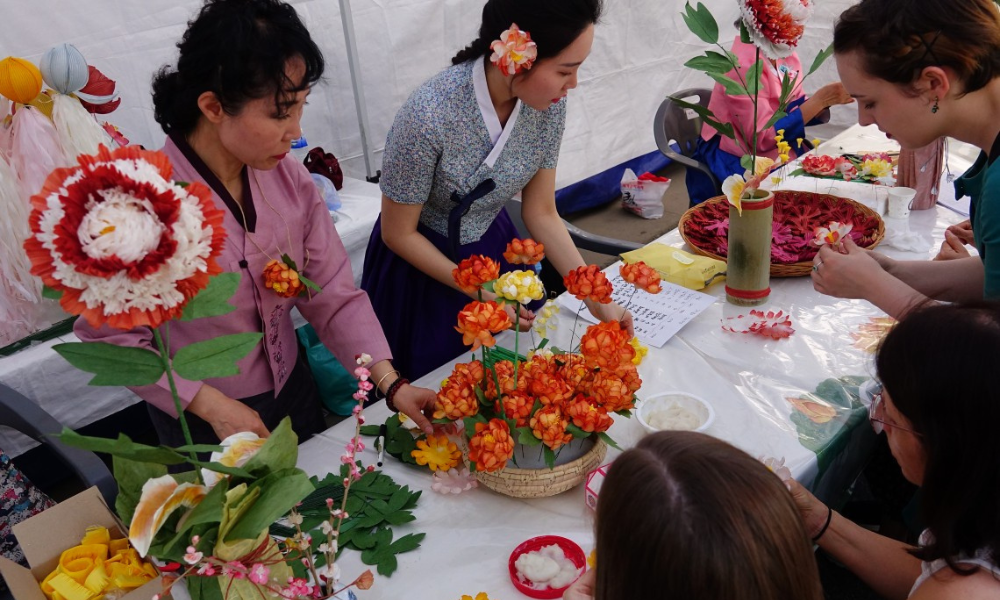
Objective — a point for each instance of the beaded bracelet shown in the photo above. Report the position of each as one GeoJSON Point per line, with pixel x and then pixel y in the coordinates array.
{"type": "Point", "coordinates": [829, 518]}
{"type": "Point", "coordinates": [378, 386]}
{"type": "Point", "coordinates": [390, 393]}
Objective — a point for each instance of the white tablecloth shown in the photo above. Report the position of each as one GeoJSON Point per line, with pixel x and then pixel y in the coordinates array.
{"type": "Point", "coordinates": [746, 378]}
{"type": "Point", "coordinates": [43, 376]}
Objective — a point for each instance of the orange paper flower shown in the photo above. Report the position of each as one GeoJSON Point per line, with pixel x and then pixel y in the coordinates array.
{"type": "Point", "coordinates": [472, 372]}
{"type": "Point", "coordinates": [549, 425]}
{"type": "Point", "coordinates": [491, 446]}
{"type": "Point", "coordinates": [816, 412]}
{"type": "Point", "coordinates": [642, 276]}
{"type": "Point", "coordinates": [478, 320]}
{"type": "Point", "coordinates": [473, 272]}
{"type": "Point", "coordinates": [629, 375]}
{"type": "Point", "coordinates": [588, 415]}
{"type": "Point", "coordinates": [611, 392]}
{"type": "Point", "coordinates": [573, 368]}
{"type": "Point", "coordinates": [605, 345]}
{"type": "Point", "coordinates": [524, 252]}
{"type": "Point", "coordinates": [504, 370]}
{"type": "Point", "coordinates": [283, 279]}
{"type": "Point", "coordinates": [589, 283]}
{"type": "Point", "coordinates": [456, 400]}
{"type": "Point", "coordinates": [518, 405]}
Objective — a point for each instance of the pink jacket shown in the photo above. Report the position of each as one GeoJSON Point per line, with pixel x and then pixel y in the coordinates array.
{"type": "Point", "coordinates": [738, 110]}
{"type": "Point", "coordinates": [292, 219]}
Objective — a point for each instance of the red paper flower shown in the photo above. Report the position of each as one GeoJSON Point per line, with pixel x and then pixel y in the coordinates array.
{"type": "Point", "coordinates": [589, 283]}
{"type": "Point", "coordinates": [518, 405]}
{"type": "Point", "coordinates": [549, 425]}
{"type": "Point", "coordinates": [126, 246]}
{"type": "Point", "coordinates": [491, 446]}
{"type": "Point", "coordinates": [775, 25]}
{"type": "Point", "coordinates": [642, 276]}
{"type": "Point", "coordinates": [101, 90]}
{"type": "Point", "coordinates": [478, 320]}
{"type": "Point", "coordinates": [524, 252]}
{"type": "Point", "coordinates": [473, 272]}
{"type": "Point", "coordinates": [588, 415]}
{"type": "Point", "coordinates": [282, 279]}
{"type": "Point", "coordinates": [819, 165]}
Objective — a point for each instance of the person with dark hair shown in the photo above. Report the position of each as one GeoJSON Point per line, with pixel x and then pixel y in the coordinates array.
{"type": "Point", "coordinates": [939, 407]}
{"type": "Point", "coordinates": [723, 154]}
{"type": "Point", "coordinates": [231, 109]}
{"type": "Point", "coordinates": [921, 70]}
{"type": "Point", "coordinates": [685, 515]}
{"type": "Point", "coordinates": [464, 143]}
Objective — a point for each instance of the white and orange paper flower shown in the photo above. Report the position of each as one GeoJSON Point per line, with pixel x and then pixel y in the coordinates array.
{"type": "Point", "coordinates": [776, 26]}
{"type": "Point", "coordinates": [833, 234]}
{"type": "Point", "coordinates": [160, 498]}
{"type": "Point", "coordinates": [237, 450]}
{"type": "Point", "coordinates": [124, 244]}
{"type": "Point", "coordinates": [514, 52]}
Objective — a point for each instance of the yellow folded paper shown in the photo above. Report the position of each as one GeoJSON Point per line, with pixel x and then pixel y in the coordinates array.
{"type": "Point", "coordinates": [677, 266]}
{"type": "Point", "coordinates": [86, 572]}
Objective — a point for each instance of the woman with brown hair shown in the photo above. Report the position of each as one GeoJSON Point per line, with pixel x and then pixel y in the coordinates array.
{"type": "Point", "coordinates": [685, 515]}
{"type": "Point", "coordinates": [921, 70]}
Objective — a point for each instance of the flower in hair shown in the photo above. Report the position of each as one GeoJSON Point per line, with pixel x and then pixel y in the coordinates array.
{"type": "Point", "coordinates": [514, 52]}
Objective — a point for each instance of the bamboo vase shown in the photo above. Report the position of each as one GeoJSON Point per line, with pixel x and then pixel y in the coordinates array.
{"type": "Point", "coordinates": [748, 266]}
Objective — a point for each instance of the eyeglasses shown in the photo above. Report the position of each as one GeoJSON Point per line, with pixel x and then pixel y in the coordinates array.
{"type": "Point", "coordinates": [876, 416]}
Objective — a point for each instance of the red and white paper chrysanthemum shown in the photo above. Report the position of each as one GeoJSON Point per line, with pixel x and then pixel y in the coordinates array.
{"type": "Point", "coordinates": [775, 26]}
{"type": "Point", "coordinates": [124, 244]}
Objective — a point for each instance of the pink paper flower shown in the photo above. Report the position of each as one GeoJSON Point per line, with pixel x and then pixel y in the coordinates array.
{"type": "Point", "coordinates": [775, 325]}
{"type": "Point", "coordinates": [193, 557]}
{"type": "Point", "coordinates": [259, 574]}
{"type": "Point", "coordinates": [832, 234]}
{"type": "Point", "coordinates": [453, 481]}
{"type": "Point", "coordinates": [514, 52]}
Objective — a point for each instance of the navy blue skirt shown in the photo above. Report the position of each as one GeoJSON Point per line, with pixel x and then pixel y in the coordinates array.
{"type": "Point", "coordinates": [419, 314]}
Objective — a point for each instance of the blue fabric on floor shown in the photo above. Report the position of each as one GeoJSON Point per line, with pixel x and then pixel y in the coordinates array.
{"type": "Point", "coordinates": [604, 187]}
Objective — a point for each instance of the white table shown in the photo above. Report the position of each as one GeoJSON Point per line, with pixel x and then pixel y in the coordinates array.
{"type": "Point", "coordinates": [59, 388]}
{"type": "Point", "coordinates": [746, 378]}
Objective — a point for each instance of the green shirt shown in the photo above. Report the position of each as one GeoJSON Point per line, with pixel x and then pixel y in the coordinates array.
{"type": "Point", "coordinates": [982, 184]}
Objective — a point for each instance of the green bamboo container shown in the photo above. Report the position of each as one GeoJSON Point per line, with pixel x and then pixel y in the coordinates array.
{"type": "Point", "coordinates": [748, 265]}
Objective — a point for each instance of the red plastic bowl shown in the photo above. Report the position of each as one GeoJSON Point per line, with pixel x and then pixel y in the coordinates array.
{"type": "Point", "coordinates": [572, 551]}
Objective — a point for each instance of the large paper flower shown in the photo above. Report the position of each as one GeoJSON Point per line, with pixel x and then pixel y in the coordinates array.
{"type": "Point", "coordinates": [549, 425]}
{"type": "Point", "coordinates": [456, 400]}
{"type": "Point", "coordinates": [605, 345]}
{"type": "Point", "coordinates": [437, 452]}
{"type": "Point", "coordinates": [517, 406]}
{"type": "Point", "coordinates": [520, 286]}
{"type": "Point", "coordinates": [478, 320]}
{"type": "Point", "coordinates": [589, 282]}
{"type": "Point", "coordinates": [588, 415]}
{"type": "Point", "coordinates": [237, 450]}
{"type": "Point", "coordinates": [124, 244]}
{"type": "Point", "coordinates": [160, 498]}
{"type": "Point", "coordinates": [524, 252]}
{"type": "Point", "coordinates": [491, 446]}
{"type": "Point", "coordinates": [611, 392]}
{"type": "Point", "coordinates": [514, 52]}
{"type": "Point", "coordinates": [473, 272]}
{"type": "Point", "coordinates": [642, 276]}
{"type": "Point", "coordinates": [775, 25]}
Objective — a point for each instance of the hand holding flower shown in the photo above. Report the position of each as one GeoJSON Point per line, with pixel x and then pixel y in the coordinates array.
{"type": "Point", "coordinates": [418, 404]}
{"type": "Point", "coordinates": [849, 273]}
{"type": "Point", "coordinates": [611, 312]}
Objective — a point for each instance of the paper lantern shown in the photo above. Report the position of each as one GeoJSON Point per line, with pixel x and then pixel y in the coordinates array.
{"type": "Point", "coordinates": [99, 95]}
{"type": "Point", "coordinates": [20, 80]}
{"type": "Point", "coordinates": [64, 69]}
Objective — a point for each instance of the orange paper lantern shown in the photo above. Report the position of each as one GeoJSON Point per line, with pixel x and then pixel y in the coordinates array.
{"type": "Point", "coordinates": [20, 80]}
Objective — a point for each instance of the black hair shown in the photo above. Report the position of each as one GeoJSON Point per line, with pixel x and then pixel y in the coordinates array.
{"type": "Point", "coordinates": [552, 24]}
{"type": "Point", "coordinates": [937, 367]}
{"type": "Point", "coordinates": [237, 49]}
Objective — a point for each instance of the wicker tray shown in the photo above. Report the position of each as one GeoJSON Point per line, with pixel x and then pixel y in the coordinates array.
{"type": "Point", "coordinates": [543, 482]}
{"type": "Point", "coordinates": [797, 269]}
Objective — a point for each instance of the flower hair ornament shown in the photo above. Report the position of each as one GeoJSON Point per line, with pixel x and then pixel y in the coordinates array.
{"type": "Point", "coordinates": [514, 52]}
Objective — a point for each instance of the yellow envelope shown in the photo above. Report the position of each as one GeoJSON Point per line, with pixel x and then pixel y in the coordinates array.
{"type": "Point", "coordinates": [677, 266]}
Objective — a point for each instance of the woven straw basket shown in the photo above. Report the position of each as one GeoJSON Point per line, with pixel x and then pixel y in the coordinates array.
{"type": "Point", "coordinates": [543, 482]}
{"type": "Point", "coordinates": [798, 269]}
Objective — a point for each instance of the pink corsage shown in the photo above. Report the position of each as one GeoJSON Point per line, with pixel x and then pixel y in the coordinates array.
{"type": "Point", "coordinates": [514, 52]}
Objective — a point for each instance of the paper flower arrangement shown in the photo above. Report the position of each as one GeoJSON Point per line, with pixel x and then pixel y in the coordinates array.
{"type": "Point", "coordinates": [514, 52]}
{"type": "Point", "coordinates": [774, 27]}
{"type": "Point", "coordinates": [549, 399]}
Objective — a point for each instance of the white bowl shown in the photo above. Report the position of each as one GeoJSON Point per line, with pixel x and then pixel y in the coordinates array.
{"type": "Point", "coordinates": [663, 401]}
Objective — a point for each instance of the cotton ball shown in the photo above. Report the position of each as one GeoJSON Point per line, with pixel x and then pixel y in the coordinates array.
{"type": "Point", "coordinates": [64, 69]}
{"type": "Point", "coordinates": [20, 80]}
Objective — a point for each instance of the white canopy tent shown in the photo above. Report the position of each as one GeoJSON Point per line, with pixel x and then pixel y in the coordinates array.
{"type": "Point", "coordinates": [637, 60]}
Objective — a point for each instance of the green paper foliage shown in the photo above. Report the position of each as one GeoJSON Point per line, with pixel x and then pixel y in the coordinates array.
{"type": "Point", "coordinates": [113, 365]}
{"type": "Point", "coordinates": [213, 301]}
{"type": "Point", "coordinates": [216, 357]}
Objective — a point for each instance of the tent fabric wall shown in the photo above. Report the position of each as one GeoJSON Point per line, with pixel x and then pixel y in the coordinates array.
{"type": "Point", "coordinates": [637, 60]}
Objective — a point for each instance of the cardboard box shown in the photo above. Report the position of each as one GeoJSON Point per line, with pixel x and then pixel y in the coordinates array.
{"type": "Point", "coordinates": [46, 535]}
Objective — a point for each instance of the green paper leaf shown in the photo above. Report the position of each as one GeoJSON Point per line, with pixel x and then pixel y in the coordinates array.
{"type": "Point", "coordinates": [387, 565]}
{"type": "Point", "coordinates": [707, 116]}
{"type": "Point", "coordinates": [576, 432]}
{"type": "Point", "coordinates": [820, 59]}
{"type": "Point", "coordinates": [216, 357]}
{"type": "Point", "coordinates": [279, 452]}
{"type": "Point", "coordinates": [371, 430]}
{"type": "Point", "coordinates": [753, 77]}
{"type": "Point", "coordinates": [309, 283]}
{"type": "Point", "coordinates": [550, 457]}
{"type": "Point", "coordinates": [526, 438]}
{"type": "Point", "coordinates": [542, 343]}
{"type": "Point", "coordinates": [279, 492]}
{"type": "Point", "coordinates": [744, 33]}
{"type": "Point", "coordinates": [746, 161]}
{"type": "Point", "coordinates": [407, 543]}
{"type": "Point", "coordinates": [732, 87]}
{"type": "Point", "coordinates": [111, 364]}
{"type": "Point", "coordinates": [50, 293]}
{"type": "Point", "coordinates": [213, 301]}
{"type": "Point", "coordinates": [399, 518]}
{"type": "Point", "coordinates": [288, 261]}
{"type": "Point", "coordinates": [122, 447]}
{"type": "Point", "coordinates": [711, 62]}
{"type": "Point", "coordinates": [607, 440]}
{"type": "Point", "coordinates": [490, 286]}
{"type": "Point", "coordinates": [131, 476]}
{"type": "Point", "coordinates": [778, 114]}
{"type": "Point", "coordinates": [701, 23]}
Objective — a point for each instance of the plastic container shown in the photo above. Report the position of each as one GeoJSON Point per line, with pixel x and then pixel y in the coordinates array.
{"type": "Point", "coordinates": [700, 407]}
{"type": "Point", "coordinates": [572, 551]}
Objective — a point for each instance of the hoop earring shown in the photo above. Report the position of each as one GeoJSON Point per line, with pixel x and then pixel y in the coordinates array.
{"type": "Point", "coordinates": [935, 108]}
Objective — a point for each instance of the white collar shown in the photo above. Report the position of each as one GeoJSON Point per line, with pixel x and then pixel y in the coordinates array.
{"type": "Point", "coordinates": [498, 135]}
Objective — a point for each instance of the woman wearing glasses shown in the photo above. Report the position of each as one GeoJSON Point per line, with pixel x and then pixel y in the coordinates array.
{"type": "Point", "coordinates": [939, 408]}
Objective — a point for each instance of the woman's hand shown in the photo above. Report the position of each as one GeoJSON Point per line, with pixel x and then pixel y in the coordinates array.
{"type": "Point", "coordinates": [416, 403]}
{"type": "Point", "coordinates": [582, 588]}
{"type": "Point", "coordinates": [952, 247]}
{"type": "Point", "coordinates": [848, 273]}
{"type": "Point", "coordinates": [524, 319]}
{"type": "Point", "coordinates": [963, 231]}
{"type": "Point", "coordinates": [833, 94]}
{"type": "Point", "coordinates": [611, 312]}
{"type": "Point", "coordinates": [226, 415]}
{"type": "Point", "coordinates": [812, 511]}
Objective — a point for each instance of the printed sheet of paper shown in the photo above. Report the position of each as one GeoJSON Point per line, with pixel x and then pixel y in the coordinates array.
{"type": "Point", "coordinates": [655, 318]}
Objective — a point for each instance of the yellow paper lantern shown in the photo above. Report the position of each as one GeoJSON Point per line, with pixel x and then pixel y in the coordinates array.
{"type": "Point", "coordinates": [20, 80]}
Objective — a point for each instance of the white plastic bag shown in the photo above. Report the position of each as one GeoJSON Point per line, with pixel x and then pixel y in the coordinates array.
{"type": "Point", "coordinates": [643, 195]}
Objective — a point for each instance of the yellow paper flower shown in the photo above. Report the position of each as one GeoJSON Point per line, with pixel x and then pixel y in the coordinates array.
{"type": "Point", "coordinates": [762, 165]}
{"type": "Point", "coordinates": [437, 452]}
{"type": "Point", "coordinates": [780, 135]}
{"type": "Point", "coordinates": [520, 286]}
{"type": "Point", "coordinates": [733, 188]}
{"type": "Point", "coordinates": [816, 142]}
{"type": "Point", "coordinates": [776, 180]}
{"type": "Point", "coordinates": [640, 350]}
{"type": "Point", "coordinates": [877, 167]}
{"type": "Point", "coordinates": [479, 596]}
{"type": "Point", "coordinates": [798, 142]}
